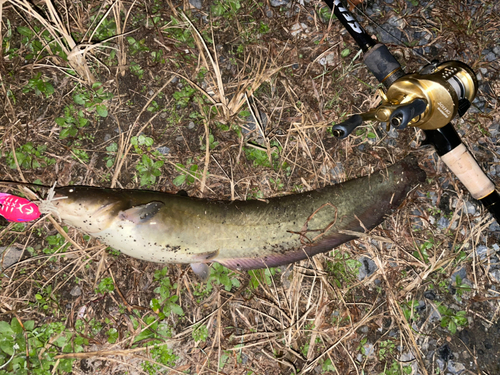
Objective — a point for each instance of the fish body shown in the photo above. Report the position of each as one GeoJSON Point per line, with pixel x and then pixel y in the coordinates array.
{"type": "Point", "coordinates": [243, 235]}
{"type": "Point", "coordinates": [18, 209]}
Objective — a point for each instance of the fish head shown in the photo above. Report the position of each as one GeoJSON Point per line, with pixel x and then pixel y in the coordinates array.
{"type": "Point", "coordinates": [89, 209]}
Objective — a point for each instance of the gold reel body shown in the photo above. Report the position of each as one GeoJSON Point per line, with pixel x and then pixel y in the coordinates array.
{"type": "Point", "coordinates": [444, 89]}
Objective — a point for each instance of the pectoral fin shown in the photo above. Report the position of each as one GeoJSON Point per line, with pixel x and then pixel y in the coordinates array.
{"type": "Point", "coordinates": [201, 270]}
{"type": "Point", "coordinates": [141, 214]}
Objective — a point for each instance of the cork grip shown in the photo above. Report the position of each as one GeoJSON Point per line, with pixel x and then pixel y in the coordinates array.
{"type": "Point", "coordinates": [465, 167]}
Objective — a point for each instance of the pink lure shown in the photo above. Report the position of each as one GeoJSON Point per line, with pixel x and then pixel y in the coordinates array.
{"type": "Point", "coordinates": [15, 208]}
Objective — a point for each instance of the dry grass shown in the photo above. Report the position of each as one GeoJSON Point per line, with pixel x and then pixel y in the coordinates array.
{"type": "Point", "coordinates": [306, 315]}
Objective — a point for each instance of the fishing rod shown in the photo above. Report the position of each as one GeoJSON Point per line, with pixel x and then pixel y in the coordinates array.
{"type": "Point", "coordinates": [429, 100]}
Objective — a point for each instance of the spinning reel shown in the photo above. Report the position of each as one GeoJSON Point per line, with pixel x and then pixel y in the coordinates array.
{"type": "Point", "coordinates": [429, 99]}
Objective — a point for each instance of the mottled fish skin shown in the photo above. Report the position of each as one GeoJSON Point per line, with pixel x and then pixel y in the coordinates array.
{"type": "Point", "coordinates": [168, 228]}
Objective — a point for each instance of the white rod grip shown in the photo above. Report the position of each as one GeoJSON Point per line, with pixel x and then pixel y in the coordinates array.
{"type": "Point", "coordinates": [465, 167]}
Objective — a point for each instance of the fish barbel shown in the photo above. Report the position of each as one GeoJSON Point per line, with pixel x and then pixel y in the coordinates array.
{"type": "Point", "coordinates": [243, 235]}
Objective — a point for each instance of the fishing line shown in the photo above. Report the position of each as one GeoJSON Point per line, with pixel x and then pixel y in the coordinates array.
{"type": "Point", "coordinates": [401, 42]}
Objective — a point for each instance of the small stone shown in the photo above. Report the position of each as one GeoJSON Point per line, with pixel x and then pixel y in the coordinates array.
{"type": "Point", "coordinates": [434, 316]}
{"type": "Point", "coordinates": [252, 130]}
{"type": "Point", "coordinates": [496, 50]}
{"type": "Point", "coordinates": [191, 125]}
{"type": "Point", "coordinates": [396, 21]}
{"type": "Point", "coordinates": [338, 173]}
{"type": "Point", "coordinates": [390, 35]}
{"type": "Point", "coordinates": [430, 294]}
{"type": "Point", "coordinates": [495, 275]}
{"type": "Point", "coordinates": [374, 9]}
{"type": "Point", "coordinates": [299, 28]}
{"type": "Point", "coordinates": [9, 255]}
{"type": "Point", "coordinates": [469, 208]}
{"type": "Point", "coordinates": [327, 60]}
{"type": "Point", "coordinates": [368, 267]}
{"type": "Point", "coordinates": [76, 291]}
{"type": "Point", "coordinates": [482, 252]}
{"type": "Point", "coordinates": [441, 364]}
{"type": "Point", "coordinates": [494, 227]}
{"type": "Point", "coordinates": [445, 353]}
{"type": "Point", "coordinates": [490, 56]}
{"type": "Point", "coordinates": [198, 4]}
{"type": "Point", "coordinates": [461, 273]}
{"type": "Point", "coordinates": [279, 3]}
{"type": "Point", "coordinates": [369, 349]}
{"type": "Point", "coordinates": [443, 223]}
{"type": "Point", "coordinates": [455, 368]}
{"type": "Point", "coordinates": [393, 133]}
{"type": "Point", "coordinates": [180, 138]}
{"type": "Point", "coordinates": [364, 329]}
{"type": "Point", "coordinates": [421, 307]}
{"type": "Point", "coordinates": [164, 150]}
{"type": "Point", "coordinates": [464, 335]}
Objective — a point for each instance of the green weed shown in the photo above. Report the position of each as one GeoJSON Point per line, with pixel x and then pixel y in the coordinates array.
{"type": "Point", "coordinates": [71, 122]}
{"type": "Point", "coordinates": [166, 304]}
{"type": "Point", "coordinates": [200, 332]}
{"type": "Point", "coordinates": [111, 154]}
{"type": "Point", "coordinates": [263, 276]}
{"type": "Point", "coordinates": [137, 46]}
{"type": "Point", "coordinates": [365, 133]}
{"type": "Point", "coordinates": [211, 142]}
{"type": "Point", "coordinates": [41, 344]}
{"type": "Point", "coordinates": [112, 334]}
{"type": "Point", "coordinates": [148, 169]}
{"type": "Point", "coordinates": [184, 95]}
{"type": "Point", "coordinates": [225, 8]}
{"type": "Point", "coordinates": [386, 349]}
{"type": "Point", "coordinates": [29, 157]}
{"type": "Point", "coordinates": [222, 275]}
{"type": "Point", "coordinates": [260, 158]}
{"type": "Point", "coordinates": [180, 33]}
{"type": "Point", "coordinates": [79, 154]}
{"type": "Point", "coordinates": [328, 365]}
{"type": "Point", "coordinates": [136, 69]}
{"type": "Point", "coordinates": [163, 355]}
{"type": "Point", "coordinates": [39, 43]}
{"type": "Point", "coordinates": [188, 173]}
{"type": "Point", "coordinates": [396, 369]}
{"type": "Point", "coordinates": [409, 310]}
{"type": "Point", "coordinates": [47, 301]}
{"type": "Point", "coordinates": [343, 269]}
{"type": "Point", "coordinates": [451, 319]}
{"type": "Point", "coordinates": [39, 86]}
{"type": "Point", "coordinates": [56, 244]}
{"type": "Point", "coordinates": [106, 285]}
{"type": "Point", "coordinates": [460, 286]}
{"type": "Point", "coordinates": [421, 254]}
